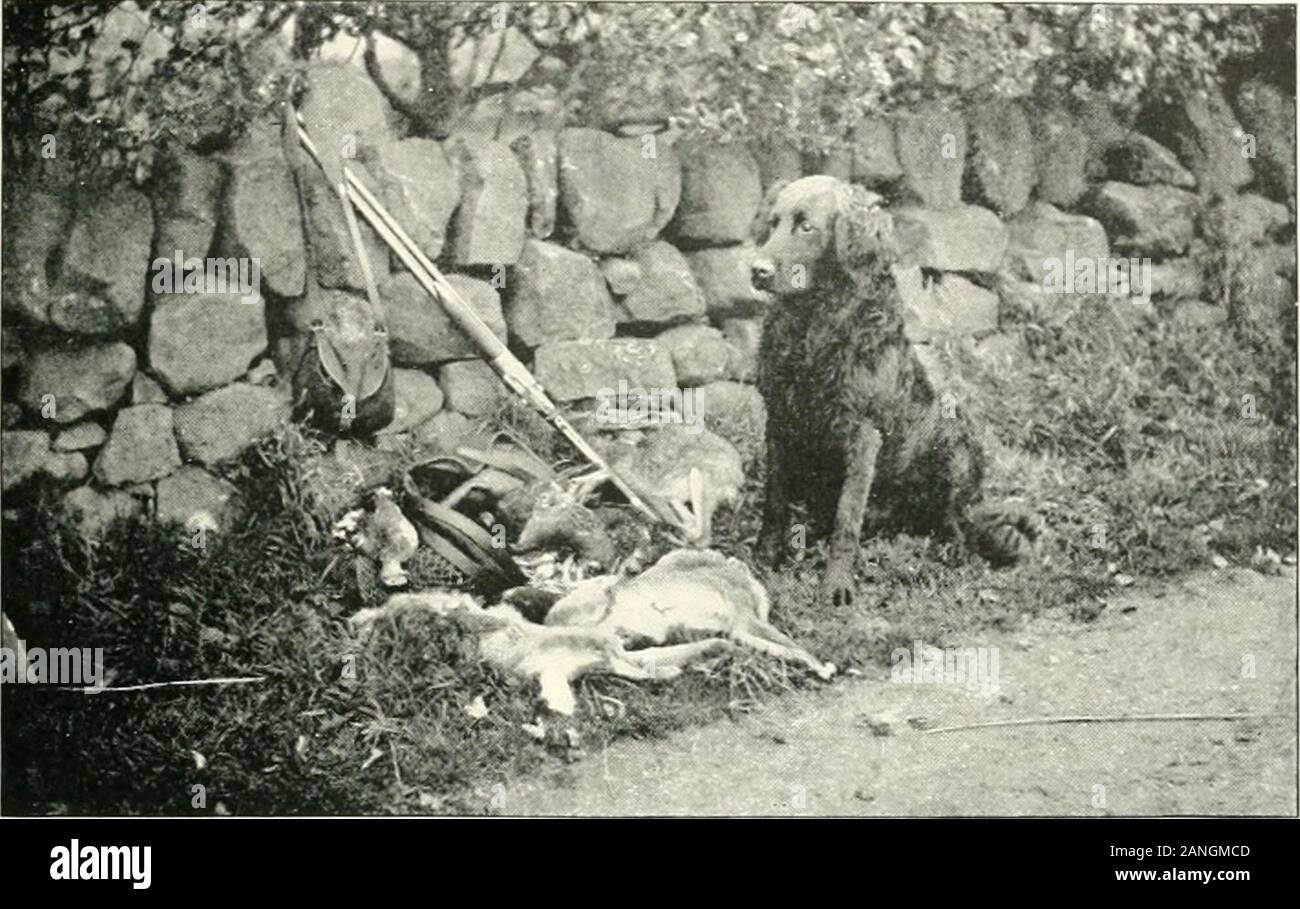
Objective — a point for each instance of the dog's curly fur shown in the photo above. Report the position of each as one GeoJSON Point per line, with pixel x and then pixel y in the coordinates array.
{"type": "Point", "coordinates": [855, 432]}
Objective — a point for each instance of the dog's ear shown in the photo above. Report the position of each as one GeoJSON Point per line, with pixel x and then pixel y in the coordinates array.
{"type": "Point", "coordinates": [863, 233]}
{"type": "Point", "coordinates": [760, 230]}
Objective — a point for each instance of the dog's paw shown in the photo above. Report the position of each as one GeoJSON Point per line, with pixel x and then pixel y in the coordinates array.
{"type": "Point", "coordinates": [837, 585]}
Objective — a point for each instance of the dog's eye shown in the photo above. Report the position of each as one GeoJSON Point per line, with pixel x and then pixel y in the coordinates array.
{"type": "Point", "coordinates": [805, 227]}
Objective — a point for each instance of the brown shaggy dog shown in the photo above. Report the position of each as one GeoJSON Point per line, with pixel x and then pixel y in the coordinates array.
{"type": "Point", "coordinates": [855, 432]}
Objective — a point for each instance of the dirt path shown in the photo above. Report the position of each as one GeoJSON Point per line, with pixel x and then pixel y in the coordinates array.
{"type": "Point", "coordinates": [1189, 648]}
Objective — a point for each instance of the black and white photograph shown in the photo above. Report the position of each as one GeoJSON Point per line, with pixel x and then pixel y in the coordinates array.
{"type": "Point", "coordinates": [648, 409]}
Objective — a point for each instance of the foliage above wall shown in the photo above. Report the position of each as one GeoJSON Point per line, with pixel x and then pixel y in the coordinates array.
{"type": "Point", "coordinates": [112, 80]}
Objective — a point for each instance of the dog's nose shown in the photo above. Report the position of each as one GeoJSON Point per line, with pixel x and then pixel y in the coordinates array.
{"type": "Point", "coordinates": [761, 274]}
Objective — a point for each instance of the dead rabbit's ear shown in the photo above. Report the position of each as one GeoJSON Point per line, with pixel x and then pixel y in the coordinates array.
{"type": "Point", "coordinates": [760, 230]}
{"type": "Point", "coordinates": [863, 233]}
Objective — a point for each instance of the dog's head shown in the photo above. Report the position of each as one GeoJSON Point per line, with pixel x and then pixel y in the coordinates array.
{"type": "Point", "coordinates": [819, 230]}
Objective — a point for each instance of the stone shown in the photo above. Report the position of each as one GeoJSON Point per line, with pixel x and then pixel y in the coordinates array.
{"type": "Point", "coordinates": [1201, 129]}
{"type": "Point", "coordinates": [499, 55]}
{"type": "Point", "coordinates": [1000, 168]}
{"type": "Point", "coordinates": [555, 295]}
{"type": "Point", "coordinates": [471, 386]}
{"type": "Point", "coordinates": [744, 335]}
{"type": "Point", "coordinates": [93, 511]}
{"type": "Point", "coordinates": [418, 397]}
{"type": "Point", "coordinates": [221, 424]}
{"type": "Point", "coordinates": [721, 192]}
{"type": "Point", "coordinates": [343, 110]}
{"type": "Point", "coordinates": [107, 254]}
{"type": "Point", "coordinates": [186, 203]}
{"type": "Point", "coordinates": [539, 156]}
{"type": "Point", "coordinates": [1155, 221]}
{"type": "Point", "coordinates": [931, 147]}
{"type": "Point", "coordinates": [875, 158]}
{"type": "Point", "coordinates": [80, 437]}
{"type": "Point", "coordinates": [78, 311]}
{"type": "Point", "coordinates": [1269, 116]}
{"type": "Point", "coordinates": [1250, 218]}
{"type": "Point", "coordinates": [610, 189]}
{"type": "Point", "coordinates": [724, 275]}
{"type": "Point", "coordinates": [36, 226]}
{"type": "Point", "coordinates": [202, 341]}
{"type": "Point", "coordinates": [445, 431]}
{"type": "Point", "coordinates": [700, 354]}
{"type": "Point", "coordinates": [195, 499]}
{"type": "Point", "coordinates": [25, 453]}
{"type": "Point", "coordinates": [949, 307]}
{"type": "Point", "coordinates": [76, 380]}
{"type": "Point", "coordinates": [779, 161]}
{"type": "Point", "coordinates": [420, 331]}
{"type": "Point", "coordinates": [419, 186]}
{"type": "Point", "coordinates": [665, 292]}
{"type": "Point", "coordinates": [261, 212]}
{"type": "Point", "coordinates": [576, 370]}
{"type": "Point", "coordinates": [1142, 160]}
{"type": "Point", "coordinates": [736, 412]}
{"type": "Point", "coordinates": [489, 225]}
{"type": "Point", "coordinates": [1061, 150]}
{"type": "Point", "coordinates": [1042, 232]}
{"type": "Point", "coordinates": [1176, 279]}
{"type": "Point", "coordinates": [333, 254]}
{"type": "Point", "coordinates": [145, 390]}
{"type": "Point", "coordinates": [965, 238]}
{"type": "Point", "coordinates": [140, 447]}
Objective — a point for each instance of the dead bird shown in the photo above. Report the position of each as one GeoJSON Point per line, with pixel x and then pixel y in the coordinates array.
{"type": "Point", "coordinates": [385, 536]}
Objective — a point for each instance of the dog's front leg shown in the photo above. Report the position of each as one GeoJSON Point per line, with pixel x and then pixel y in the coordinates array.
{"type": "Point", "coordinates": [850, 512]}
{"type": "Point", "coordinates": [773, 538]}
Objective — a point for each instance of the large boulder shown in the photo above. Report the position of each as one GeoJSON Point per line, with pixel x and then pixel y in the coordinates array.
{"type": "Point", "coordinates": [202, 341]}
{"type": "Point", "coordinates": [875, 158]}
{"type": "Point", "coordinates": [555, 295]}
{"type": "Point", "coordinates": [417, 398]}
{"type": "Point", "coordinates": [489, 225]}
{"type": "Point", "coordinates": [1142, 160]}
{"type": "Point", "coordinates": [1061, 151]}
{"type": "Point", "coordinates": [1269, 116]}
{"type": "Point", "coordinates": [1000, 167]}
{"type": "Point", "coordinates": [539, 156]}
{"type": "Point", "coordinates": [931, 147]}
{"type": "Point", "coordinates": [419, 329]}
{"type": "Point", "coordinates": [186, 203]}
{"type": "Point", "coordinates": [221, 424]}
{"type": "Point", "coordinates": [700, 354]}
{"type": "Point", "coordinates": [36, 226]}
{"type": "Point", "coordinates": [1201, 129]}
{"type": "Point", "coordinates": [343, 110]}
{"type": "Point", "coordinates": [472, 387]}
{"type": "Point", "coordinates": [107, 253]}
{"type": "Point", "coordinates": [1043, 233]}
{"type": "Point", "coordinates": [419, 186]}
{"type": "Point", "coordinates": [966, 238]}
{"type": "Point", "coordinates": [948, 307]}
{"type": "Point", "coordinates": [141, 446]}
{"type": "Point", "coordinates": [197, 500]}
{"type": "Point", "coordinates": [93, 511]}
{"type": "Point", "coordinates": [779, 161]}
{"type": "Point", "coordinates": [26, 453]}
{"type": "Point", "coordinates": [80, 437]}
{"type": "Point", "coordinates": [262, 217]}
{"type": "Point", "coordinates": [610, 188]}
{"type": "Point", "coordinates": [577, 370]}
{"type": "Point", "coordinates": [724, 274]}
{"type": "Point", "coordinates": [1249, 218]}
{"type": "Point", "coordinates": [64, 384]}
{"type": "Point", "coordinates": [1155, 221]}
{"type": "Point", "coordinates": [744, 335]}
{"type": "Point", "coordinates": [721, 191]}
{"type": "Point", "coordinates": [656, 286]}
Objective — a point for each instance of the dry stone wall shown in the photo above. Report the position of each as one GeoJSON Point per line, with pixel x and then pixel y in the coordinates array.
{"type": "Point", "coordinates": [604, 260]}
